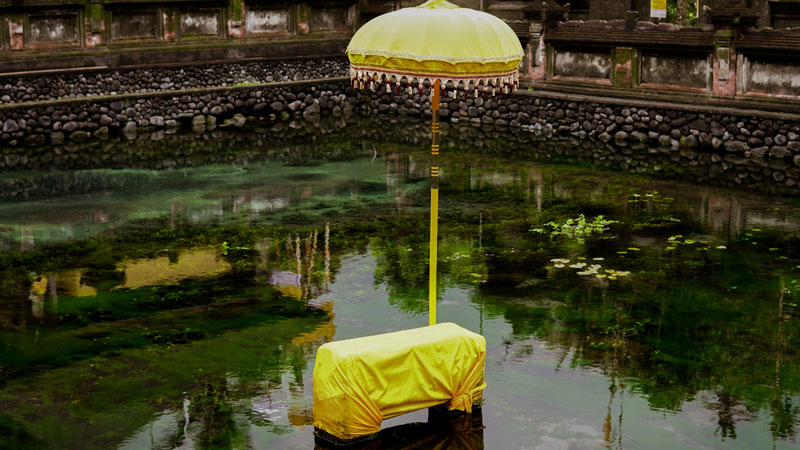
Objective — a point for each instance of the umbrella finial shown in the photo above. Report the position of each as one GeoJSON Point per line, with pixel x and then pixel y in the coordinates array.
{"type": "Point", "coordinates": [438, 4]}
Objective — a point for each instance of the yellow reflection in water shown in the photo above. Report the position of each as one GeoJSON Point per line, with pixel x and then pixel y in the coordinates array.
{"type": "Point", "coordinates": [196, 263]}
{"type": "Point", "coordinates": [68, 282]}
{"type": "Point", "coordinates": [324, 332]}
{"type": "Point", "coordinates": [40, 287]}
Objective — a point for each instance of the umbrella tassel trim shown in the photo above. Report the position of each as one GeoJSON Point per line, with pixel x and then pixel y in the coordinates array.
{"type": "Point", "coordinates": [379, 80]}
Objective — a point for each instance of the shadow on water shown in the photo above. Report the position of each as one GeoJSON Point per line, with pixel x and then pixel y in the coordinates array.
{"type": "Point", "coordinates": [442, 431]}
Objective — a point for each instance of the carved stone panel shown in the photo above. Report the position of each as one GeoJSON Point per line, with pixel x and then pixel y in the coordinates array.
{"type": "Point", "coordinates": [56, 29]}
{"type": "Point", "coordinates": [685, 69]}
{"type": "Point", "coordinates": [772, 75]}
{"type": "Point", "coordinates": [200, 23]}
{"type": "Point", "coordinates": [585, 64]}
{"type": "Point", "coordinates": [267, 21]}
{"type": "Point", "coordinates": [134, 25]}
{"type": "Point", "coordinates": [328, 19]}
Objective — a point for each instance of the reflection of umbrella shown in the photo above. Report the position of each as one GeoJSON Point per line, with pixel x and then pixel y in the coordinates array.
{"type": "Point", "coordinates": [449, 47]}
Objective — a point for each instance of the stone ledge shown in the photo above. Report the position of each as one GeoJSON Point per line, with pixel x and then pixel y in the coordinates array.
{"type": "Point", "coordinates": [167, 93]}
{"type": "Point", "coordinates": [766, 108]}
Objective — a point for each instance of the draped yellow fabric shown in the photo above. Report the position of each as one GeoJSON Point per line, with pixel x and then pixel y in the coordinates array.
{"type": "Point", "coordinates": [360, 382]}
{"type": "Point", "coordinates": [436, 39]}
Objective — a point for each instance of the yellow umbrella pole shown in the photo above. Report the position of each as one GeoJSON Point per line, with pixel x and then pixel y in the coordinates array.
{"type": "Point", "coordinates": [434, 202]}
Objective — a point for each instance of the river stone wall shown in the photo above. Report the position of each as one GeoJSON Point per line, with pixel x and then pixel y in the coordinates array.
{"type": "Point", "coordinates": [160, 79]}
{"type": "Point", "coordinates": [715, 148]}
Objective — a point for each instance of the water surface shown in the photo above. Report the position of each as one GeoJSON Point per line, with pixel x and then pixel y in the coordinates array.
{"type": "Point", "coordinates": [179, 304]}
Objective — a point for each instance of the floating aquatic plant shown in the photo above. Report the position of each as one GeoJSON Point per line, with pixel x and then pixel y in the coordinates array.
{"type": "Point", "coordinates": [591, 270]}
{"type": "Point", "coordinates": [578, 228]}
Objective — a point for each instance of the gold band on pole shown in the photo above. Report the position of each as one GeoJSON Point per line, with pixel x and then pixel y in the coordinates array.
{"type": "Point", "coordinates": [434, 202]}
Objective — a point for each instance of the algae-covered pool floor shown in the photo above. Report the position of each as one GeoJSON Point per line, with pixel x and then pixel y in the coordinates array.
{"type": "Point", "coordinates": [181, 307]}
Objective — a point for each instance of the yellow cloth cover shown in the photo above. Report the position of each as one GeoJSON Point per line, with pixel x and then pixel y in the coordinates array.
{"type": "Point", "coordinates": [359, 382]}
{"type": "Point", "coordinates": [436, 40]}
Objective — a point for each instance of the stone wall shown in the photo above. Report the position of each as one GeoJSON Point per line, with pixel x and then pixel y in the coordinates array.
{"type": "Point", "coordinates": [161, 79]}
{"type": "Point", "coordinates": [196, 109]}
{"type": "Point", "coordinates": [716, 145]}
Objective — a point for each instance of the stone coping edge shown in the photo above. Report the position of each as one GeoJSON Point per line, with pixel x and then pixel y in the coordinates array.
{"type": "Point", "coordinates": [537, 91]}
{"type": "Point", "coordinates": [105, 68]}
{"type": "Point", "coordinates": [747, 106]}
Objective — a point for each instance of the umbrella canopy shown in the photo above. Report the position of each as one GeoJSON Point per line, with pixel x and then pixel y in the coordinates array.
{"type": "Point", "coordinates": [443, 44]}
{"type": "Point", "coordinates": [436, 41]}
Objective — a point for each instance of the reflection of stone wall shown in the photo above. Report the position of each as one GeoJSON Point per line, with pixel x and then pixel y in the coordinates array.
{"type": "Point", "coordinates": [771, 75]}
{"type": "Point", "coordinates": [264, 20]}
{"type": "Point", "coordinates": [588, 64]}
{"type": "Point", "coordinates": [679, 69]}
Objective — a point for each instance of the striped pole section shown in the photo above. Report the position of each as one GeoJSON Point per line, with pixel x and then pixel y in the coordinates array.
{"type": "Point", "coordinates": [434, 202]}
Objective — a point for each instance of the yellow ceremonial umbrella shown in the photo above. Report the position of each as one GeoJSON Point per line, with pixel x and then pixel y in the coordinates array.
{"type": "Point", "coordinates": [449, 47]}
